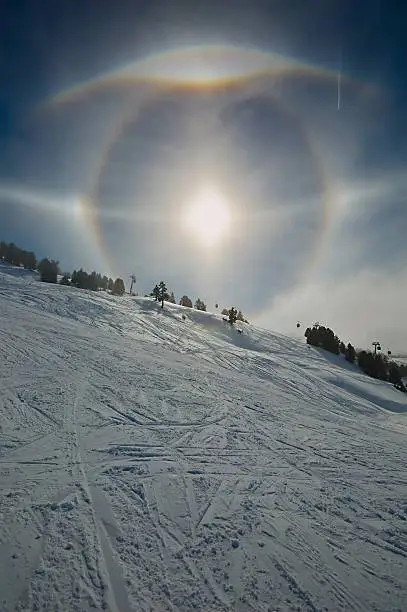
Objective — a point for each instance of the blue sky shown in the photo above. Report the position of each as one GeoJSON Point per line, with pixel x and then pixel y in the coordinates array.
{"type": "Point", "coordinates": [101, 177]}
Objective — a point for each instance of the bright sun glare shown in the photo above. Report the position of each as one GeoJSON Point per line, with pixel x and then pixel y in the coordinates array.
{"type": "Point", "coordinates": [208, 217]}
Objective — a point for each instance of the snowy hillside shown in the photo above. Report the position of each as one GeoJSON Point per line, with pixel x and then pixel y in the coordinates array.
{"type": "Point", "coordinates": [153, 463]}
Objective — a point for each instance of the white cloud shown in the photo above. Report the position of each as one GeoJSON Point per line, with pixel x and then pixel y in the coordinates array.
{"type": "Point", "coordinates": [369, 306]}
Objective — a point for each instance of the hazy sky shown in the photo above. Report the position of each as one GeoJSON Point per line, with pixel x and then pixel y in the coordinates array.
{"type": "Point", "coordinates": [117, 118]}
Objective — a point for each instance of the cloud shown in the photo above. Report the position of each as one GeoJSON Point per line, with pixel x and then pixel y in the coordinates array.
{"type": "Point", "coordinates": [369, 306]}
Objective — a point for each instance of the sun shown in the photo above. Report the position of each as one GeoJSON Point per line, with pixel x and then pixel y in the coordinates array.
{"type": "Point", "coordinates": [208, 217]}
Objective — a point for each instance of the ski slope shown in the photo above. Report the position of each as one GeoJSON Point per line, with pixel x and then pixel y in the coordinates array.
{"type": "Point", "coordinates": [153, 463]}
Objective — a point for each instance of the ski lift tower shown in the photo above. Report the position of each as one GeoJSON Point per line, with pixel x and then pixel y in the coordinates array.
{"type": "Point", "coordinates": [377, 346]}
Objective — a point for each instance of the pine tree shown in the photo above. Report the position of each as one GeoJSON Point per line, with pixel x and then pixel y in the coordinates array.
{"type": "Point", "coordinates": [162, 293]}
{"type": "Point", "coordinates": [156, 293]}
{"type": "Point", "coordinates": [48, 270]}
{"type": "Point", "coordinates": [394, 373]}
{"type": "Point", "coordinates": [118, 287]}
{"type": "Point", "coordinates": [232, 315]}
{"type": "Point", "coordinates": [350, 353]}
{"type": "Point", "coordinates": [200, 305]}
{"type": "Point", "coordinates": [171, 298]}
{"type": "Point", "coordinates": [185, 301]}
{"type": "Point", "coordinates": [239, 316]}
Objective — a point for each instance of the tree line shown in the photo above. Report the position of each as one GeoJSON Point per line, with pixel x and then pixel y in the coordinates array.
{"type": "Point", "coordinates": [161, 294]}
{"type": "Point", "coordinates": [373, 364]}
{"type": "Point", "coordinates": [18, 257]}
{"type": "Point", "coordinates": [49, 271]}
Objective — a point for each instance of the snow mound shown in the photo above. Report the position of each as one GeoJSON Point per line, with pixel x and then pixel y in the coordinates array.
{"type": "Point", "coordinates": [158, 459]}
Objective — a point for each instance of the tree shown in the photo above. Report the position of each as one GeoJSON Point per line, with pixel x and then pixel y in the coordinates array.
{"type": "Point", "coordinates": [162, 293]}
{"type": "Point", "coordinates": [133, 282]}
{"type": "Point", "coordinates": [156, 293]}
{"type": "Point", "coordinates": [185, 301]}
{"type": "Point", "coordinates": [239, 316]}
{"type": "Point", "coordinates": [323, 337]}
{"type": "Point", "coordinates": [225, 312]}
{"type": "Point", "coordinates": [342, 348]}
{"type": "Point", "coordinates": [65, 280]}
{"type": "Point", "coordinates": [394, 373]}
{"type": "Point", "coordinates": [373, 365]}
{"type": "Point", "coordinates": [350, 353]}
{"type": "Point", "coordinates": [171, 299]}
{"type": "Point", "coordinates": [118, 287]}
{"type": "Point", "coordinates": [232, 315]}
{"type": "Point", "coordinates": [200, 305]}
{"type": "Point", "coordinates": [110, 284]}
{"type": "Point", "coordinates": [48, 270]}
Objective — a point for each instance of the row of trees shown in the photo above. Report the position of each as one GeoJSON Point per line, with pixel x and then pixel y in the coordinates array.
{"type": "Point", "coordinates": [49, 270]}
{"type": "Point", "coordinates": [234, 315]}
{"type": "Point", "coordinates": [374, 364]}
{"type": "Point", "coordinates": [18, 257]}
{"type": "Point", "coordinates": [160, 294]}
{"type": "Point", "coordinates": [94, 282]}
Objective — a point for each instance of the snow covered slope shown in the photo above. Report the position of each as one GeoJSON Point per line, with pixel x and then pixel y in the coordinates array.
{"type": "Point", "coordinates": [153, 463]}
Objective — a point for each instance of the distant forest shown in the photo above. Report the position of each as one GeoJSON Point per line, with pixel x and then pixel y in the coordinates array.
{"type": "Point", "coordinates": [374, 364]}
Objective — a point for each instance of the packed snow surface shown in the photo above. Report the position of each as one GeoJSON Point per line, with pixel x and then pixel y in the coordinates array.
{"type": "Point", "coordinates": [150, 462]}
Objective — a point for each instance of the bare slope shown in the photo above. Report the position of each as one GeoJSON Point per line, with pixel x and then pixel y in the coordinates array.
{"type": "Point", "coordinates": [153, 463]}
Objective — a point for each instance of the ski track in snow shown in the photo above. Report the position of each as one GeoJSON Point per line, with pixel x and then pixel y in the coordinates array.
{"type": "Point", "coordinates": [152, 463]}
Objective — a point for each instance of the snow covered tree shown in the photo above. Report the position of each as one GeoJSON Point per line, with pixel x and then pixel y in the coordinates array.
{"type": "Point", "coordinates": [200, 305]}
{"type": "Point", "coordinates": [171, 299]}
{"type": "Point", "coordinates": [185, 301]}
{"type": "Point", "coordinates": [225, 312]}
{"type": "Point", "coordinates": [118, 287]}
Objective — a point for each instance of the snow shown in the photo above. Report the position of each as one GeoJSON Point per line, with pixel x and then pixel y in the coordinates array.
{"type": "Point", "coordinates": [153, 463]}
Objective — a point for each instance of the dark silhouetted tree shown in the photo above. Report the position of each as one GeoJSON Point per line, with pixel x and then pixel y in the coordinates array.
{"type": "Point", "coordinates": [118, 287]}
{"type": "Point", "coordinates": [200, 305]}
{"type": "Point", "coordinates": [394, 373]}
{"type": "Point", "coordinates": [373, 365]}
{"type": "Point", "coordinates": [323, 337]}
{"type": "Point", "coordinates": [162, 293]}
{"type": "Point", "coordinates": [185, 301]}
{"type": "Point", "coordinates": [110, 284]}
{"type": "Point", "coordinates": [232, 315]}
{"type": "Point", "coordinates": [239, 316]}
{"type": "Point", "coordinates": [49, 270]}
{"type": "Point", "coordinates": [156, 293]}
{"type": "Point", "coordinates": [350, 353]}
